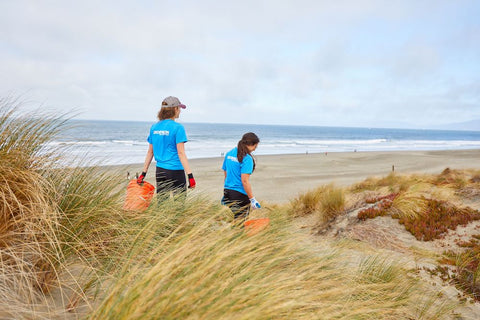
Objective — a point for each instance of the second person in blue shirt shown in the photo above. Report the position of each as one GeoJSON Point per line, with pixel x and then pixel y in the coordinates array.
{"type": "Point", "coordinates": [238, 165]}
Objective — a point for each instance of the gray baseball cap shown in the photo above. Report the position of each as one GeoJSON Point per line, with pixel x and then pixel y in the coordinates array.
{"type": "Point", "coordinates": [172, 102]}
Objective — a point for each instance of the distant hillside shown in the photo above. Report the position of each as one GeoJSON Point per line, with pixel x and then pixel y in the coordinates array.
{"type": "Point", "coordinates": [473, 125]}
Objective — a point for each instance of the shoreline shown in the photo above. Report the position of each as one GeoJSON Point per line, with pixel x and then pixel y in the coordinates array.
{"type": "Point", "coordinates": [280, 178]}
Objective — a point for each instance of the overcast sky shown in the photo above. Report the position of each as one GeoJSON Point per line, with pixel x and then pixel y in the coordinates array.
{"type": "Point", "coordinates": [336, 63]}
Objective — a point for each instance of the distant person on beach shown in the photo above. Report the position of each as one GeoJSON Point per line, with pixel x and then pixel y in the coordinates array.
{"type": "Point", "coordinates": [238, 165]}
{"type": "Point", "coordinates": [166, 142]}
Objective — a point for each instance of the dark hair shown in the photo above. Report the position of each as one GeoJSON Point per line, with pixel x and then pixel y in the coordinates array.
{"type": "Point", "coordinates": [248, 139]}
{"type": "Point", "coordinates": [166, 113]}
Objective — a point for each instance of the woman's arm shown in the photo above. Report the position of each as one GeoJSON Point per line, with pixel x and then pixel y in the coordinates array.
{"type": "Point", "coordinates": [148, 158]}
{"type": "Point", "coordinates": [183, 157]}
{"type": "Point", "coordinates": [246, 185]}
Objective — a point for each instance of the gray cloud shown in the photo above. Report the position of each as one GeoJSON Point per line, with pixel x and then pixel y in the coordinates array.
{"type": "Point", "coordinates": [306, 62]}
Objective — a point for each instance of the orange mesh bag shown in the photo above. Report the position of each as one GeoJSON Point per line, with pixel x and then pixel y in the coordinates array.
{"type": "Point", "coordinates": [255, 225]}
{"type": "Point", "coordinates": [138, 196]}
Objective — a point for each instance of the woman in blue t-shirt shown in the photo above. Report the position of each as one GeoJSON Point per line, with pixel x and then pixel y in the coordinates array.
{"type": "Point", "coordinates": [238, 165]}
{"type": "Point", "coordinates": [166, 144]}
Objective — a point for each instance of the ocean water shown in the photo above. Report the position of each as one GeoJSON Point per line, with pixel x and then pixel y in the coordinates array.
{"type": "Point", "coordinates": [124, 142]}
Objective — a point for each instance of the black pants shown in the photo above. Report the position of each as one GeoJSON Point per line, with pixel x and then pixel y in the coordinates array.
{"type": "Point", "coordinates": [238, 203]}
{"type": "Point", "coordinates": [170, 180]}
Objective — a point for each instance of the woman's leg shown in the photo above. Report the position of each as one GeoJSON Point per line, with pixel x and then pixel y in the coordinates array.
{"type": "Point", "coordinates": [170, 180]}
{"type": "Point", "coordinates": [238, 203]}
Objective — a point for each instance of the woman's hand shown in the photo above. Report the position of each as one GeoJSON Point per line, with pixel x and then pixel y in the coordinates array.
{"type": "Point", "coordinates": [191, 181]}
{"type": "Point", "coordinates": [254, 203]}
{"type": "Point", "coordinates": [141, 177]}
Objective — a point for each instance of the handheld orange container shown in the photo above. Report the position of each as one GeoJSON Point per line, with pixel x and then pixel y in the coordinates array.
{"type": "Point", "coordinates": [255, 225]}
{"type": "Point", "coordinates": [138, 196]}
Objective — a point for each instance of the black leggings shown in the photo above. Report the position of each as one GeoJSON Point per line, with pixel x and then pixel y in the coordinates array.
{"type": "Point", "coordinates": [170, 180]}
{"type": "Point", "coordinates": [238, 203]}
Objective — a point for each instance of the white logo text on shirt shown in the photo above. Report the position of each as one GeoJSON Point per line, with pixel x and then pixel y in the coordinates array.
{"type": "Point", "coordinates": [161, 132]}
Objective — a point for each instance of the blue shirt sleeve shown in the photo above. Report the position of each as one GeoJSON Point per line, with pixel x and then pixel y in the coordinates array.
{"type": "Point", "coordinates": [247, 165]}
{"type": "Point", "coordinates": [181, 136]}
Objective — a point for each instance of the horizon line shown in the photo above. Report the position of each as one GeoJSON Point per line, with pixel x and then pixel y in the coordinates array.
{"type": "Point", "coordinates": [412, 127]}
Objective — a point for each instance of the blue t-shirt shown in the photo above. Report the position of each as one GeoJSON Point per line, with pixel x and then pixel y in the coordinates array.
{"type": "Point", "coordinates": [234, 170]}
{"type": "Point", "coordinates": [164, 136]}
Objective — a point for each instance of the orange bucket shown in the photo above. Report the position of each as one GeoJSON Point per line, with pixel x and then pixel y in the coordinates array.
{"type": "Point", "coordinates": [256, 225]}
{"type": "Point", "coordinates": [138, 196]}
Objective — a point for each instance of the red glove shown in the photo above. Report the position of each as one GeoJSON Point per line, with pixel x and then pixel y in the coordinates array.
{"type": "Point", "coordinates": [191, 181]}
{"type": "Point", "coordinates": [141, 177]}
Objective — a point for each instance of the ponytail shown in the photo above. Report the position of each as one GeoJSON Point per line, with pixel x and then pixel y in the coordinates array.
{"type": "Point", "coordinates": [248, 139]}
{"type": "Point", "coordinates": [242, 150]}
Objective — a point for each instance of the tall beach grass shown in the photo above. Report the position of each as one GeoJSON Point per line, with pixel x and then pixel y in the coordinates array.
{"type": "Point", "coordinates": [214, 271]}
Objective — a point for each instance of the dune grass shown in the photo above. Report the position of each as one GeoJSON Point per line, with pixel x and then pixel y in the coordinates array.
{"type": "Point", "coordinates": [68, 249]}
{"type": "Point", "coordinates": [28, 220]}
{"type": "Point", "coordinates": [214, 271]}
{"type": "Point", "coordinates": [46, 212]}
{"type": "Point", "coordinates": [393, 182]}
{"type": "Point", "coordinates": [326, 202]}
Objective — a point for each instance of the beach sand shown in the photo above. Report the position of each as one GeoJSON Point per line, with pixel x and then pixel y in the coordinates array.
{"type": "Point", "coordinates": [280, 178]}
